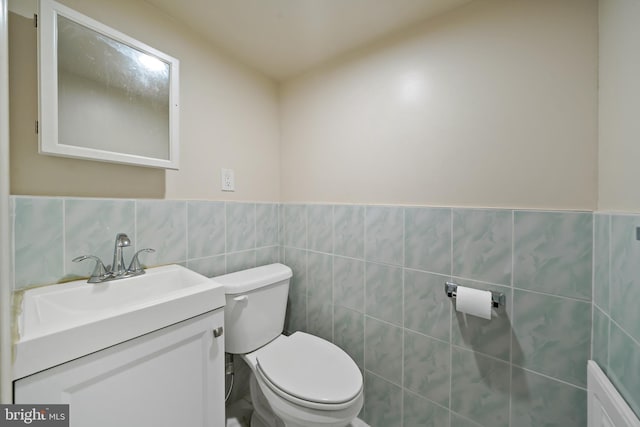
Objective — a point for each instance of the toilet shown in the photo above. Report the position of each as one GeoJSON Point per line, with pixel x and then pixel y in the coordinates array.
{"type": "Point", "coordinates": [298, 380]}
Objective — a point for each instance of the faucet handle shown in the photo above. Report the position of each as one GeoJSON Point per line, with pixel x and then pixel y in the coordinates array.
{"type": "Point", "coordinates": [135, 268]}
{"type": "Point", "coordinates": [99, 273]}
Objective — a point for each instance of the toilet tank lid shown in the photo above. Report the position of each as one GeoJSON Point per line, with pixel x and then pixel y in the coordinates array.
{"type": "Point", "coordinates": [253, 278]}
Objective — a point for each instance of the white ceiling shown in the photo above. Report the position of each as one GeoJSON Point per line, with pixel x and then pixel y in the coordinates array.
{"type": "Point", "coordinates": [285, 37]}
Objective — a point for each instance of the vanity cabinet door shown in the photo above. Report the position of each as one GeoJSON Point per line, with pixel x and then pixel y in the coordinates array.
{"type": "Point", "coordinates": [170, 377]}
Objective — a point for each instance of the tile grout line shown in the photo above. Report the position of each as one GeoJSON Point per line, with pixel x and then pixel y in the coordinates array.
{"type": "Point", "coordinates": [402, 353]}
{"type": "Point", "coordinates": [306, 267]}
{"type": "Point", "coordinates": [608, 312]}
{"type": "Point", "coordinates": [333, 248]}
{"type": "Point", "coordinates": [450, 321]}
{"type": "Point", "coordinates": [186, 232]}
{"type": "Point", "coordinates": [364, 294]}
{"type": "Point", "coordinates": [513, 262]}
{"type": "Point", "coordinates": [411, 392]}
{"type": "Point", "coordinates": [186, 239]}
{"type": "Point", "coordinates": [255, 234]}
{"type": "Point", "coordinates": [531, 291]}
{"type": "Point", "coordinates": [551, 378]}
{"type": "Point", "coordinates": [623, 330]}
{"type": "Point", "coordinates": [593, 283]}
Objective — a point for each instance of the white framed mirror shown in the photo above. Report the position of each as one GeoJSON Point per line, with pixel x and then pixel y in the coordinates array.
{"type": "Point", "coordinates": [104, 95]}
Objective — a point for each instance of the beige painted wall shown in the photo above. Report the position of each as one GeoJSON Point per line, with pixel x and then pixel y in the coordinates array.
{"type": "Point", "coordinates": [492, 104]}
{"type": "Point", "coordinates": [229, 118]}
{"type": "Point", "coordinates": [619, 126]}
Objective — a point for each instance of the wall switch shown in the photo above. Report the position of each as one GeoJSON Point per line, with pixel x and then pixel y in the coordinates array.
{"type": "Point", "coordinates": [228, 180]}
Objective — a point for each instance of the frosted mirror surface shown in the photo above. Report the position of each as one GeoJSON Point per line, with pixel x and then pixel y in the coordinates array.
{"type": "Point", "coordinates": [111, 96]}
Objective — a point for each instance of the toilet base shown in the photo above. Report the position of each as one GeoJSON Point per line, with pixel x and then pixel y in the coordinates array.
{"type": "Point", "coordinates": [263, 415]}
{"type": "Point", "coordinates": [258, 421]}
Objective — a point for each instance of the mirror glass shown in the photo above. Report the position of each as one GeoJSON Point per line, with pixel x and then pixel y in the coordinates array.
{"type": "Point", "coordinates": [104, 95]}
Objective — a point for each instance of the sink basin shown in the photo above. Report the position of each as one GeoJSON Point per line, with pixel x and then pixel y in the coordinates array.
{"type": "Point", "coordinates": [62, 322]}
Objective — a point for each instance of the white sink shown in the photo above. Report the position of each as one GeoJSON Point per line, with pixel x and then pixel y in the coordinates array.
{"type": "Point", "coordinates": [62, 322]}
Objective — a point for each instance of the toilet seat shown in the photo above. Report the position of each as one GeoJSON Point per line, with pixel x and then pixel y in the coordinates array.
{"type": "Point", "coordinates": [309, 371]}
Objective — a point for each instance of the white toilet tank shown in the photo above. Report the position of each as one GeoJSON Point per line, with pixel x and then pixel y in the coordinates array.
{"type": "Point", "coordinates": [256, 306]}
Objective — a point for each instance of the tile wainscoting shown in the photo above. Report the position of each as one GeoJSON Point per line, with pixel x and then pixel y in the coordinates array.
{"type": "Point", "coordinates": [370, 279]}
{"type": "Point", "coordinates": [211, 238]}
{"type": "Point", "coordinates": [616, 297]}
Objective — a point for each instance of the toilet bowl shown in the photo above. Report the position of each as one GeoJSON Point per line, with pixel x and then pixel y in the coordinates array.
{"type": "Point", "coordinates": [299, 380]}
{"type": "Point", "coordinates": [307, 381]}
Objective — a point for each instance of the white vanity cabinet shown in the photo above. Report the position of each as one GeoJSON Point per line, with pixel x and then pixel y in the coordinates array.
{"type": "Point", "coordinates": [171, 377]}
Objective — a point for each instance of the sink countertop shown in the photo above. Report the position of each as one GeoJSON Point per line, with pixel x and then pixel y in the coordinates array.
{"type": "Point", "coordinates": [59, 323]}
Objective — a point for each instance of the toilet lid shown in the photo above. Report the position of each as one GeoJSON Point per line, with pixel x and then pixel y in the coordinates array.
{"type": "Point", "coordinates": [311, 369]}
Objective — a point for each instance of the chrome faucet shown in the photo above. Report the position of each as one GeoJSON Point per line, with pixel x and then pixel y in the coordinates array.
{"type": "Point", "coordinates": [117, 268]}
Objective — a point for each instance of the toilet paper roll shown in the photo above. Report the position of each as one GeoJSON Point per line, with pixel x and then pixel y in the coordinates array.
{"type": "Point", "coordinates": [474, 302]}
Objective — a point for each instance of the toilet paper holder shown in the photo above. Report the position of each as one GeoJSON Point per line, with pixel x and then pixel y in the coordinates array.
{"type": "Point", "coordinates": [497, 298]}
